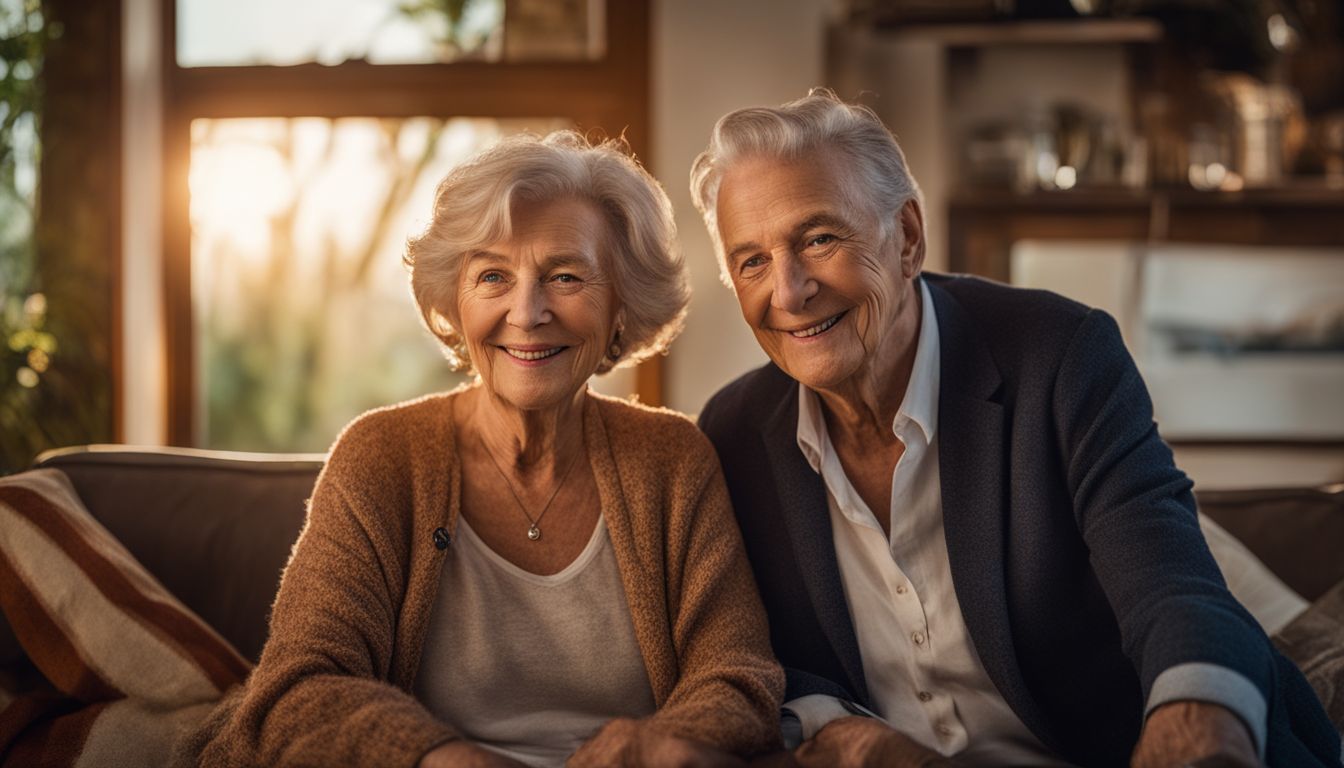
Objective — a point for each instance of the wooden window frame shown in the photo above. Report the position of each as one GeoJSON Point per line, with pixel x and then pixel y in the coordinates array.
{"type": "Point", "coordinates": [610, 95]}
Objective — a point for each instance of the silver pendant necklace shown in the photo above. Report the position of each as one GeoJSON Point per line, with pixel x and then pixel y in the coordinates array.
{"type": "Point", "coordinates": [534, 530]}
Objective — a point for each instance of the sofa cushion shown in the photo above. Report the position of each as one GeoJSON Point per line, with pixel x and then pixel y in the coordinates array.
{"type": "Point", "coordinates": [124, 667]}
{"type": "Point", "coordinates": [1315, 642]}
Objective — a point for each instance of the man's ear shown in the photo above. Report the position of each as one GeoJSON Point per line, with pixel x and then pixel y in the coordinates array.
{"type": "Point", "coordinates": [911, 221]}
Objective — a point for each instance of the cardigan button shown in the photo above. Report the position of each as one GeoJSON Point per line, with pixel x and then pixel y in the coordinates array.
{"type": "Point", "coordinates": [442, 538]}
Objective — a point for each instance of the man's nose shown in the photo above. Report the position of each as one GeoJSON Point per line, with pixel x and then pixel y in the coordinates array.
{"type": "Point", "coordinates": [528, 305]}
{"type": "Point", "coordinates": [793, 285]}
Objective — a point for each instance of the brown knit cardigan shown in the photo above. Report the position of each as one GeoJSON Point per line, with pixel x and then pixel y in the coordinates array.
{"type": "Point", "coordinates": [334, 681]}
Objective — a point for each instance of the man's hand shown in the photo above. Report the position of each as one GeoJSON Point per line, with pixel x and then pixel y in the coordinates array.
{"type": "Point", "coordinates": [625, 742]}
{"type": "Point", "coordinates": [1183, 732]}
{"type": "Point", "coordinates": [464, 754]}
{"type": "Point", "coordinates": [863, 742]}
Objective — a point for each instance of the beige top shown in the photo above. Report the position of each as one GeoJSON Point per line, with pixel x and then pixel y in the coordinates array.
{"type": "Point", "coordinates": [334, 683]}
{"type": "Point", "coordinates": [528, 665]}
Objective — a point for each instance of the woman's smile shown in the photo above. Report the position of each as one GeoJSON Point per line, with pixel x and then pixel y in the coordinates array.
{"type": "Point", "coordinates": [532, 354]}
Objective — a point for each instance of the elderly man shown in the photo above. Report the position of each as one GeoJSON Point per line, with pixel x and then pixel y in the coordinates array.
{"type": "Point", "coordinates": [957, 506]}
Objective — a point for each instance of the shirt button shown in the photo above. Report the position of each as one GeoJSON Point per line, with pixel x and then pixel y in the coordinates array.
{"type": "Point", "coordinates": [918, 637]}
{"type": "Point", "coordinates": [925, 696]}
{"type": "Point", "coordinates": [901, 590]}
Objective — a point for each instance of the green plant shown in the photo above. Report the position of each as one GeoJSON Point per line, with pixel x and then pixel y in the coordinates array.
{"type": "Point", "coordinates": [445, 16]}
{"type": "Point", "coordinates": [26, 349]}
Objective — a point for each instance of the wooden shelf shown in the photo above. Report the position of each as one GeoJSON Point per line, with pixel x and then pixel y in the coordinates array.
{"type": "Point", "coordinates": [994, 198]}
{"type": "Point", "coordinates": [1051, 32]}
{"type": "Point", "coordinates": [1307, 194]}
{"type": "Point", "coordinates": [984, 223]}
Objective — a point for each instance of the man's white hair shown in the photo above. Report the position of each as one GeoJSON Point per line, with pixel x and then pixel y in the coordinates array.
{"type": "Point", "coordinates": [818, 121]}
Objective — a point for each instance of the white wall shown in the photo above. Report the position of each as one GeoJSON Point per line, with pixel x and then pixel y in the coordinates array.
{"type": "Point", "coordinates": [710, 57]}
{"type": "Point", "coordinates": [144, 386]}
{"type": "Point", "coordinates": [905, 82]}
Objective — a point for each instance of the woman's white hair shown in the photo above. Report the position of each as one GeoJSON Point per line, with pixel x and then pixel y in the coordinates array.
{"type": "Point", "coordinates": [473, 208]}
{"type": "Point", "coordinates": [819, 120]}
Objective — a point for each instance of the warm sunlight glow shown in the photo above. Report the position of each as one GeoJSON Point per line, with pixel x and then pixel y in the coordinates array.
{"type": "Point", "coordinates": [237, 190]}
{"type": "Point", "coordinates": [303, 316]}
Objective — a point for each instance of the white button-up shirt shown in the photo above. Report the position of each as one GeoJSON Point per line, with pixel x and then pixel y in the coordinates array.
{"type": "Point", "coordinates": [923, 673]}
{"type": "Point", "coordinates": [922, 670]}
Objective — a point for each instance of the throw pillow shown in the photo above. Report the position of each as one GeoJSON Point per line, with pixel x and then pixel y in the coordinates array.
{"type": "Point", "coordinates": [1262, 593]}
{"type": "Point", "coordinates": [1314, 642]}
{"type": "Point", "coordinates": [128, 669]}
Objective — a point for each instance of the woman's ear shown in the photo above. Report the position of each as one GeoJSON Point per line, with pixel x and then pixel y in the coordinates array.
{"type": "Point", "coordinates": [616, 346]}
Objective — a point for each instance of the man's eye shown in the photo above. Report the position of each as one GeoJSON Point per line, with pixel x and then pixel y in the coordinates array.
{"type": "Point", "coordinates": [819, 240]}
{"type": "Point", "coordinates": [752, 262]}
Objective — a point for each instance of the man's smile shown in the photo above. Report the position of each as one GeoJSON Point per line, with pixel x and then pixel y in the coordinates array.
{"type": "Point", "coordinates": [819, 328]}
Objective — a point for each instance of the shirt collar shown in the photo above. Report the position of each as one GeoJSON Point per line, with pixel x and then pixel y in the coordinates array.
{"type": "Point", "coordinates": [921, 395]}
{"type": "Point", "coordinates": [920, 404]}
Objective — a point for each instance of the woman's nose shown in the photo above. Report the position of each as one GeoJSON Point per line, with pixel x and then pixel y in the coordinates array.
{"type": "Point", "coordinates": [527, 307]}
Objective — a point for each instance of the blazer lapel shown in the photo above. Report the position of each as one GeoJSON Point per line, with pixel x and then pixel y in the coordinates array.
{"type": "Point", "coordinates": [802, 497]}
{"type": "Point", "coordinates": [972, 457]}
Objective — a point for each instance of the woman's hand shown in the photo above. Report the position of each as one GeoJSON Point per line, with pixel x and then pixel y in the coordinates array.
{"type": "Point", "coordinates": [625, 742]}
{"type": "Point", "coordinates": [459, 753]}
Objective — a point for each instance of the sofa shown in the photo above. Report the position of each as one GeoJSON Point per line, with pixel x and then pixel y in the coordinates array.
{"type": "Point", "coordinates": [135, 585]}
{"type": "Point", "coordinates": [214, 527]}
{"type": "Point", "coordinates": [215, 530]}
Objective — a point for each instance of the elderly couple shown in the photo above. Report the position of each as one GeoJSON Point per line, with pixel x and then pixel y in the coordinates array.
{"type": "Point", "coordinates": [971, 546]}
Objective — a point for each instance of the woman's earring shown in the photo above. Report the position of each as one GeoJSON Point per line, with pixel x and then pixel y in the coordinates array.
{"type": "Point", "coordinates": [614, 351]}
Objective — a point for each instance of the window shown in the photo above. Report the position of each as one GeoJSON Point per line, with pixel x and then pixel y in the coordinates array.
{"type": "Point", "coordinates": [262, 32]}
{"type": "Point", "coordinates": [301, 309]}
{"type": "Point", "coordinates": [304, 141]}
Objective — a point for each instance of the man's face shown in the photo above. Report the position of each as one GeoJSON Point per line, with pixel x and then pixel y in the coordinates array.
{"type": "Point", "coordinates": [826, 295]}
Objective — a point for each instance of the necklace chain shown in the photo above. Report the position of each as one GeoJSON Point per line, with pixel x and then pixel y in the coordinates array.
{"type": "Point", "coordinates": [534, 531]}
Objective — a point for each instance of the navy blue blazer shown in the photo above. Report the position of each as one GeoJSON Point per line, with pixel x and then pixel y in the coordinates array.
{"type": "Point", "coordinates": [1075, 550]}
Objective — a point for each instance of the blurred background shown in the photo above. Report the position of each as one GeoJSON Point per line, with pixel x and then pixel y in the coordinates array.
{"type": "Point", "coordinates": [203, 204]}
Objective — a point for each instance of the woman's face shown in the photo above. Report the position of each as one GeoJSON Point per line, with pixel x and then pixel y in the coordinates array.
{"type": "Point", "coordinates": [538, 309]}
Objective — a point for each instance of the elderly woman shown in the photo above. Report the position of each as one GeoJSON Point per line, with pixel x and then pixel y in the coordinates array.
{"type": "Point", "coordinates": [521, 571]}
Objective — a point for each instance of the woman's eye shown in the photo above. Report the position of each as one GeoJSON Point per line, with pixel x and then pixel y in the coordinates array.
{"type": "Point", "coordinates": [752, 262]}
{"type": "Point", "coordinates": [491, 278]}
{"type": "Point", "coordinates": [565, 278]}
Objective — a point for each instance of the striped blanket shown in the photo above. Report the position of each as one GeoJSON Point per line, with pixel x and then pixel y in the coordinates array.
{"type": "Point", "coordinates": [114, 669]}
